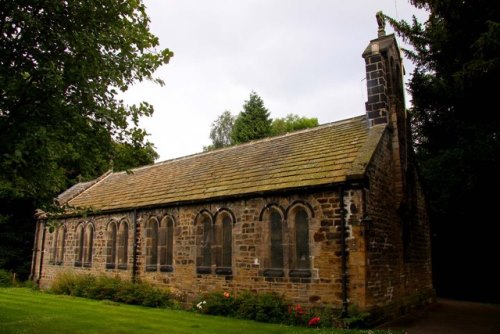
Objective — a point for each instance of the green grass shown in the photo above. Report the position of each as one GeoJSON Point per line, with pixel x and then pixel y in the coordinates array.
{"type": "Point", "coordinates": [26, 311]}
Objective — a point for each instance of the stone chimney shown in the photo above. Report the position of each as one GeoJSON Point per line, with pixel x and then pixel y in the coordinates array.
{"type": "Point", "coordinates": [384, 77]}
{"type": "Point", "coordinates": [385, 105]}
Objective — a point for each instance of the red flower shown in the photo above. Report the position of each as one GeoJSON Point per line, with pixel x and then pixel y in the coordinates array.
{"type": "Point", "coordinates": [226, 295]}
{"type": "Point", "coordinates": [314, 321]}
{"type": "Point", "coordinates": [298, 310]}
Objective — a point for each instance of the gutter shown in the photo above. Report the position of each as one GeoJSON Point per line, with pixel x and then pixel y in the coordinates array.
{"type": "Point", "coordinates": [343, 252]}
{"type": "Point", "coordinates": [355, 180]}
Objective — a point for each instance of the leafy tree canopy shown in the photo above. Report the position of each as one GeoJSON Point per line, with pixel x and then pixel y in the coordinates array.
{"type": "Point", "coordinates": [253, 122]}
{"type": "Point", "coordinates": [220, 132]}
{"type": "Point", "coordinates": [291, 123]}
{"type": "Point", "coordinates": [62, 66]}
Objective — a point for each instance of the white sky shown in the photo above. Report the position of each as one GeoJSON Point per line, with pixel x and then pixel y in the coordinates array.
{"type": "Point", "coordinates": [299, 56]}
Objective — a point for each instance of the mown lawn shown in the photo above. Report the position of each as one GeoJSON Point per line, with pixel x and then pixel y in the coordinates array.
{"type": "Point", "coordinates": [26, 311]}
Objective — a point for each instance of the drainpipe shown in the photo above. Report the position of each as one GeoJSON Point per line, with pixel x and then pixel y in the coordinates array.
{"type": "Point", "coordinates": [343, 252]}
{"type": "Point", "coordinates": [134, 249]}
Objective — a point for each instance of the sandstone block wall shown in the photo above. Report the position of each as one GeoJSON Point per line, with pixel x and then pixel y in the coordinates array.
{"type": "Point", "coordinates": [249, 248]}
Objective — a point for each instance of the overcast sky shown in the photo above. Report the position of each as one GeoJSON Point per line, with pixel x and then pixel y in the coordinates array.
{"type": "Point", "coordinates": [299, 56]}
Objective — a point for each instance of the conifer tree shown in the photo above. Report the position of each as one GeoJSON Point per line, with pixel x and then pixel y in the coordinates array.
{"type": "Point", "coordinates": [253, 122]}
{"type": "Point", "coordinates": [456, 126]}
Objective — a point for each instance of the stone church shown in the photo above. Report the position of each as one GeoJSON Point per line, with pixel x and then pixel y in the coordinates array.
{"type": "Point", "coordinates": [329, 216]}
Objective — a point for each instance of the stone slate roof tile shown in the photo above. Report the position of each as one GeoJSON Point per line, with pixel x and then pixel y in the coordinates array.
{"type": "Point", "coordinates": [323, 155]}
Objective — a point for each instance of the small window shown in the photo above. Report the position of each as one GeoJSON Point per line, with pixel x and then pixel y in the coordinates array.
{"type": "Point", "coordinates": [166, 244]}
{"type": "Point", "coordinates": [59, 239]}
{"type": "Point", "coordinates": [79, 246]}
{"type": "Point", "coordinates": [302, 260]}
{"type": "Point", "coordinates": [222, 248]}
{"type": "Point", "coordinates": [88, 243]}
{"type": "Point", "coordinates": [111, 246]}
{"type": "Point", "coordinates": [274, 257]}
{"type": "Point", "coordinates": [123, 245]}
{"type": "Point", "coordinates": [152, 245]}
{"type": "Point", "coordinates": [204, 242]}
{"type": "Point", "coordinates": [207, 242]}
{"type": "Point", "coordinates": [276, 229]}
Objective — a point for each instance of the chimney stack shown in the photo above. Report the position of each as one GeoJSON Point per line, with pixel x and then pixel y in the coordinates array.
{"type": "Point", "coordinates": [383, 76]}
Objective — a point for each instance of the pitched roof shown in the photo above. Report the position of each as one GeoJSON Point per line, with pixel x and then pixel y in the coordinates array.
{"type": "Point", "coordinates": [323, 155]}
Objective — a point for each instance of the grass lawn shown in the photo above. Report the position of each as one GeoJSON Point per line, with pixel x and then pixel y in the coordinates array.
{"type": "Point", "coordinates": [26, 311]}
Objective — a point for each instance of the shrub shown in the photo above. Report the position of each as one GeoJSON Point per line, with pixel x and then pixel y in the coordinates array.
{"type": "Point", "coordinates": [217, 303]}
{"type": "Point", "coordinates": [5, 278]}
{"type": "Point", "coordinates": [265, 307]}
{"type": "Point", "coordinates": [64, 284]}
{"type": "Point", "coordinates": [111, 288]}
{"type": "Point", "coordinates": [246, 305]}
{"type": "Point", "coordinates": [356, 318]}
{"type": "Point", "coordinates": [270, 308]}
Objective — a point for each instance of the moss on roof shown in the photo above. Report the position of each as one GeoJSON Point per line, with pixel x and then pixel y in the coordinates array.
{"type": "Point", "coordinates": [323, 155]}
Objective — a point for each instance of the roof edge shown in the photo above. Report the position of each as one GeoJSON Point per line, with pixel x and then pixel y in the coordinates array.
{"type": "Point", "coordinates": [353, 181]}
{"type": "Point", "coordinates": [85, 188]}
{"type": "Point", "coordinates": [366, 152]}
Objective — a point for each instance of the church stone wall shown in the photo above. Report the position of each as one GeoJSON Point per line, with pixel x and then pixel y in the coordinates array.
{"type": "Point", "coordinates": [249, 248]}
{"type": "Point", "coordinates": [397, 237]}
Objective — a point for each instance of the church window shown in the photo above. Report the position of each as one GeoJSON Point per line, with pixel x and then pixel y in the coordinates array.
{"type": "Point", "coordinates": [88, 242]}
{"type": "Point", "coordinates": [166, 244]}
{"type": "Point", "coordinates": [222, 247]}
{"type": "Point", "coordinates": [204, 242]}
{"type": "Point", "coordinates": [152, 245]}
{"type": "Point", "coordinates": [122, 252]}
{"type": "Point", "coordinates": [301, 239]}
{"type": "Point", "coordinates": [274, 255]}
{"type": "Point", "coordinates": [300, 259]}
{"type": "Point", "coordinates": [79, 246]}
{"type": "Point", "coordinates": [111, 246]}
{"type": "Point", "coordinates": [58, 246]}
{"type": "Point", "coordinates": [276, 228]}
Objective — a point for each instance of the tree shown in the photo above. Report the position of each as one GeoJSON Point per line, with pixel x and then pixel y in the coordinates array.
{"type": "Point", "coordinates": [457, 137]}
{"type": "Point", "coordinates": [253, 122]}
{"type": "Point", "coordinates": [62, 64]}
{"type": "Point", "coordinates": [220, 132]}
{"type": "Point", "coordinates": [292, 123]}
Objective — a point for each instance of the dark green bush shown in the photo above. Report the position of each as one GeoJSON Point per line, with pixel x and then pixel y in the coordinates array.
{"type": "Point", "coordinates": [217, 303]}
{"type": "Point", "coordinates": [356, 318]}
{"type": "Point", "coordinates": [111, 288]}
{"type": "Point", "coordinates": [265, 307]}
{"type": "Point", "coordinates": [246, 305]}
{"type": "Point", "coordinates": [5, 278]}
{"type": "Point", "coordinates": [270, 308]}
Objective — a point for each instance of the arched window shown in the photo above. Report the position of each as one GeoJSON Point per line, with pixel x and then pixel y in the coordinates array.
{"type": "Point", "coordinates": [222, 247]}
{"type": "Point", "coordinates": [166, 244]}
{"type": "Point", "coordinates": [152, 245]}
{"type": "Point", "coordinates": [79, 245]}
{"type": "Point", "coordinates": [302, 258]}
{"type": "Point", "coordinates": [274, 255]}
{"type": "Point", "coordinates": [88, 243]}
{"type": "Point", "coordinates": [122, 252]}
{"type": "Point", "coordinates": [57, 256]}
{"type": "Point", "coordinates": [111, 246]}
{"type": "Point", "coordinates": [204, 242]}
{"type": "Point", "coordinates": [207, 242]}
{"type": "Point", "coordinates": [276, 236]}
